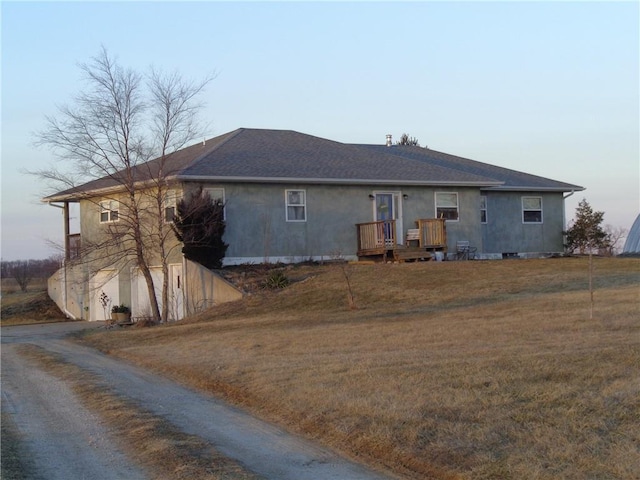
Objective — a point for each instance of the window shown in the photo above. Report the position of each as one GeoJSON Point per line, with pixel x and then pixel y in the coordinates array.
{"type": "Point", "coordinates": [217, 196]}
{"type": "Point", "coordinates": [296, 205]}
{"type": "Point", "coordinates": [483, 209]}
{"type": "Point", "coordinates": [109, 211]}
{"type": "Point", "coordinates": [170, 200]}
{"type": "Point", "coordinates": [447, 205]}
{"type": "Point", "coordinates": [531, 209]}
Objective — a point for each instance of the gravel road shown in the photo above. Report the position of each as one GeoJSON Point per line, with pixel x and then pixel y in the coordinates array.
{"type": "Point", "coordinates": [65, 441]}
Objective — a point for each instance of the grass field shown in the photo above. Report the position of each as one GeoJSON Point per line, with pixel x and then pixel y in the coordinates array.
{"type": "Point", "coordinates": [32, 306]}
{"type": "Point", "coordinates": [443, 370]}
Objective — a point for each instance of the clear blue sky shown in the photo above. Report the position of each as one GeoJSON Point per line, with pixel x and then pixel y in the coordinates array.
{"type": "Point", "coordinates": [549, 88]}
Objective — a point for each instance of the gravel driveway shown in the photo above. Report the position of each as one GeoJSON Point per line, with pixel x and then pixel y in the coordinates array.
{"type": "Point", "coordinates": [66, 441]}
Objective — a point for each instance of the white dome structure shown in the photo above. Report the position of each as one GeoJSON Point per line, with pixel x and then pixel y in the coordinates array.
{"type": "Point", "coordinates": [632, 244]}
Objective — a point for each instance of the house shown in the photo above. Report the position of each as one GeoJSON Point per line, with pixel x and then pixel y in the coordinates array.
{"type": "Point", "coordinates": [290, 197]}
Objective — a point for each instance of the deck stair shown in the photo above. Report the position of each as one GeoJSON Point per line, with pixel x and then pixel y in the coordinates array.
{"type": "Point", "coordinates": [402, 254]}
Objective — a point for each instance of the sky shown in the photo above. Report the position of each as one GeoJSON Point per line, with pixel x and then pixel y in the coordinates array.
{"type": "Point", "coordinates": [548, 88]}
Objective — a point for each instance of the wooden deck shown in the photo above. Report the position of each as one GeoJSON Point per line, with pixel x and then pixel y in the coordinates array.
{"type": "Point", "coordinates": [377, 240]}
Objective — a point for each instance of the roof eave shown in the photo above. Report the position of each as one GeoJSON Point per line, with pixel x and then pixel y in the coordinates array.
{"type": "Point", "coordinates": [524, 188]}
{"type": "Point", "coordinates": [77, 196]}
{"type": "Point", "coordinates": [97, 192]}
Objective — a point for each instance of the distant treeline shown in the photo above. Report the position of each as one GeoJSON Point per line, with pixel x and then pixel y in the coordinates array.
{"type": "Point", "coordinates": [23, 271]}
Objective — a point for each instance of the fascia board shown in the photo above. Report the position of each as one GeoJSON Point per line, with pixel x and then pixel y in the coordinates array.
{"type": "Point", "coordinates": [575, 188]}
{"type": "Point", "coordinates": [97, 192]}
{"type": "Point", "coordinates": [77, 196]}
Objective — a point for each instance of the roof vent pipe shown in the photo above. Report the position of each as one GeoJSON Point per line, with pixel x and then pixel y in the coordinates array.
{"type": "Point", "coordinates": [389, 139]}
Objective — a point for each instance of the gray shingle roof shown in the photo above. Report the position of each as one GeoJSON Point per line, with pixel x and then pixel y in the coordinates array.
{"type": "Point", "coordinates": [275, 155]}
{"type": "Point", "coordinates": [511, 179]}
{"type": "Point", "coordinates": [258, 155]}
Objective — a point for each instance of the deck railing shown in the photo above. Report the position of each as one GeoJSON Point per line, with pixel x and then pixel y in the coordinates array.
{"type": "Point", "coordinates": [433, 232]}
{"type": "Point", "coordinates": [379, 238]}
{"type": "Point", "coordinates": [376, 237]}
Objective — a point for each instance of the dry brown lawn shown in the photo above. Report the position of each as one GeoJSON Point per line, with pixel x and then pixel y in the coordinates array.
{"type": "Point", "coordinates": [32, 306]}
{"type": "Point", "coordinates": [471, 370]}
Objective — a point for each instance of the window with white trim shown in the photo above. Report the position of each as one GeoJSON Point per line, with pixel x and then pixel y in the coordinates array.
{"type": "Point", "coordinates": [447, 205]}
{"type": "Point", "coordinates": [169, 203]}
{"type": "Point", "coordinates": [109, 210]}
{"type": "Point", "coordinates": [483, 209]}
{"type": "Point", "coordinates": [296, 203]}
{"type": "Point", "coordinates": [217, 197]}
{"type": "Point", "coordinates": [531, 209]}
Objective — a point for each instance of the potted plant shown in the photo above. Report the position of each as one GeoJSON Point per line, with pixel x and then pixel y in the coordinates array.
{"type": "Point", "coordinates": [123, 314]}
{"type": "Point", "coordinates": [114, 312]}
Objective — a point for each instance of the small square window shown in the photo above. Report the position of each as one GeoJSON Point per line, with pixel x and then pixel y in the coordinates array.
{"type": "Point", "coordinates": [170, 202]}
{"type": "Point", "coordinates": [296, 204]}
{"type": "Point", "coordinates": [109, 211]}
{"type": "Point", "coordinates": [217, 196]}
{"type": "Point", "coordinates": [169, 214]}
{"type": "Point", "coordinates": [532, 209]}
{"type": "Point", "coordinates": [447, 205]}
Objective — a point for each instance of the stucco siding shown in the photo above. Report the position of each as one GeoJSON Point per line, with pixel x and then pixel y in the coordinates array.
{"type": "Point", "coordinates": [257, 229]}
{"type": "Point", "coordinates": [505, 231]}
{"type": "Point", "coordinates": [94, 232]}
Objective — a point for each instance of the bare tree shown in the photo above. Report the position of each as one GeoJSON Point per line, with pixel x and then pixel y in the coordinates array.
{"type": "Point", "coordinates": [614, 237]}
{"type": "Point", "coordinates": [347, 273]}
{"type": "Point", "coordinates": [113, 129]}
{"type": "Point", "coordinates": [22, 273]}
